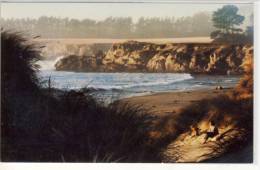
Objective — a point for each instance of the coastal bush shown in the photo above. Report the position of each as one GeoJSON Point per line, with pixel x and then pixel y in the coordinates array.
{"type": "Point", "coordinates": [244, 88]}
{"type": "Point", "coordinates": [18, 62]}
{"type": "Point", "coordinates": [44, 124]}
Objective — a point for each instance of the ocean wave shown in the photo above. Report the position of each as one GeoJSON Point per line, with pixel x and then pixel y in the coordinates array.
{"type": "Point", "coordinates": [227, 81]}
{"type": "Point", "coordinates": [131, 84]}
{"type": "Point", "coordinates": [48, 64]}
{"type": "Point", "coordinates": [142, 84]}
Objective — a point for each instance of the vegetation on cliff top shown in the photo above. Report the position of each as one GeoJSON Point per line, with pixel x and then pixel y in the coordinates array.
{"type": "Point", "coordinates": [226, 20]}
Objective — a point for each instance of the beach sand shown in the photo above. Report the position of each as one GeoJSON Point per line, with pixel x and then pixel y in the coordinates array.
{"type": "Point", "coordinates": [168, 104]}
{"type": "Point", "coordinates": [165, 103]}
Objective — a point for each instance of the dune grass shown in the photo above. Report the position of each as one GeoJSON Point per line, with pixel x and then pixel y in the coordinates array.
{"type": "Point", "coordinates": [40, 126]}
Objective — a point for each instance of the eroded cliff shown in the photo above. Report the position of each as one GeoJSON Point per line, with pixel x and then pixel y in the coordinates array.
{"type": "Point", "coordinates": [133, 56]}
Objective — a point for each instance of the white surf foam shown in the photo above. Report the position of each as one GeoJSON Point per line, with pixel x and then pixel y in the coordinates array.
{"type": "Point", "coordinates": [113, 81]}
{"type": "Point", "coordinates": [48, 64]}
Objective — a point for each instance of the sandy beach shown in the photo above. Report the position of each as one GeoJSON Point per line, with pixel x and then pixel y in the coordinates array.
{"type": "Point", "coordinates": [165, 103]}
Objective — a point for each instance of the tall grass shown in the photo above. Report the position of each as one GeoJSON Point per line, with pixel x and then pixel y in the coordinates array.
{"type": "Point", "coordinates": [42, 125]}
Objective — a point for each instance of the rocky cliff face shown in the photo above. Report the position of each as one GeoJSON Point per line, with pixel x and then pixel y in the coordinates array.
{"type": "Point", "coordinates": [135, 56]}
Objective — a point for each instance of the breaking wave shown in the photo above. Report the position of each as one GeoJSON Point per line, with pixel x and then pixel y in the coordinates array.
{"type": "Point", "coordinates": [112, 81]}
{"type": "Point", "coordinates": [48, 64]}
{"type": "Point", "coordinates": [121, 85]}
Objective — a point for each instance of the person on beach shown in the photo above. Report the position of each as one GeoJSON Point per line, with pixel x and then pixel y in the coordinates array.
{"type": "Point", "coordinates": [212, 131]}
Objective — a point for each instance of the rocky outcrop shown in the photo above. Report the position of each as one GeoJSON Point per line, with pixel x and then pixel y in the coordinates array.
{"type": "Point", "coordinates": [77, 63]}
{"type": "Point", "coordinates": [156, 64]}
{"type": "Point", "coordinates": [80, 63]}
{"type": "Point", "coordinates": [133, 56]}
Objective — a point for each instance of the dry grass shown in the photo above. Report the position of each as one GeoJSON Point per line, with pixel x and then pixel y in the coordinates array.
{"type": "Point", "coordinates": [244, 89]}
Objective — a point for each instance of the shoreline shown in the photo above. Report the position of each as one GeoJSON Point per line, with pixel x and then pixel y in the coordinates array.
{"type": "Point", "coordinates": [165, 103]}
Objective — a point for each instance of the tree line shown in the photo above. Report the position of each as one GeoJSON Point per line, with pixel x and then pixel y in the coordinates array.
{"type": "Point", "coordinates": [199, 24]}
{"type": "Point", "coordinates": [227, 20]}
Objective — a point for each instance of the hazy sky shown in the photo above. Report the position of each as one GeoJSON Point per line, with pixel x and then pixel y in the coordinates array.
{"type": "Point", "coordinates": [100, 11]}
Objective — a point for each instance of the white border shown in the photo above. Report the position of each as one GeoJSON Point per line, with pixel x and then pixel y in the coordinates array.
{"type": "Point", "coordinates": [193, 166]}
{"type": "Point", "coordinates": [131, 1]}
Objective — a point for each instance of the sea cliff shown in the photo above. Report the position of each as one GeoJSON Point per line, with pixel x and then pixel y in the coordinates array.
{"type": "Point", "coordinates": [133, 56]}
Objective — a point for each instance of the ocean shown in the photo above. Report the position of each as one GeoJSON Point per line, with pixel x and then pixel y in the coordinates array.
{"type": "Point", "coordinates": [113, 86]}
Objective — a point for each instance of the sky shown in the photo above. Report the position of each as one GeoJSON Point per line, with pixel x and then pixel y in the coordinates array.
{"type": "Point", "coordinates": [100, 11]}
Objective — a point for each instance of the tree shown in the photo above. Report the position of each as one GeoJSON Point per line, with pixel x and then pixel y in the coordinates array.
{"type": "Point", "coordinates": [226, 18]}
{"type": "Point", "coordinates": [199, 24]}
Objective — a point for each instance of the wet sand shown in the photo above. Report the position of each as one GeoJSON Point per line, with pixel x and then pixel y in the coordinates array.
{"type": "Point", "coordinates": [165, 103]}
